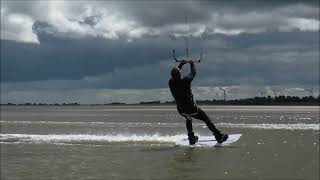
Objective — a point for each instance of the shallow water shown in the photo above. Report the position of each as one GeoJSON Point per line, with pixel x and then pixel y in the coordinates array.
{"type": "Point", "coordinates": [138, 142]}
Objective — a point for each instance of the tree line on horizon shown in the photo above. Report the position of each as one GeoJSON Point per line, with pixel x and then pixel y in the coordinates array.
{"type": "Point", "coordinates": [278, 100]}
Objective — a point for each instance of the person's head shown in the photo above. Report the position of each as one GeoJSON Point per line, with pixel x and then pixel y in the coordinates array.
{"type": "Point", "coordinates": [176, 73]}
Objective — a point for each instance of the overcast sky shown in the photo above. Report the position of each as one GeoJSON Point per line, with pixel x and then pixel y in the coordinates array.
{"type": "Point", "coordinates": [107, 51]}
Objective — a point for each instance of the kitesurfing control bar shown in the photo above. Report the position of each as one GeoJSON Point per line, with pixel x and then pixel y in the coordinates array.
{"type": "Point", "coordinates": [179, 60]}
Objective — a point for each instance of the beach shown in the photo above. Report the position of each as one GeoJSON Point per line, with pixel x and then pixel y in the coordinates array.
{"type": "Point", "coordinates": [138, 142]}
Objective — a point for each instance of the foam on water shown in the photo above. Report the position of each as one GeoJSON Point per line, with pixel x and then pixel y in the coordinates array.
{"type": "Point", "coordinates": [63, 138]}
{"type": "Point", "coordinates": [298, 126]}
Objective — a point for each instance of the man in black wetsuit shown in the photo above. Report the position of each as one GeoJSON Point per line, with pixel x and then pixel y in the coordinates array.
{"type": "Point", "coordinates": [181, 91]}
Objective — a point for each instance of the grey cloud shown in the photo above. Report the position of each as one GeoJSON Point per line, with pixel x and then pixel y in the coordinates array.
{"type": "Point", "coordinates": [138, 19]}
{"type": "Point", "coordinates": [230, 18]}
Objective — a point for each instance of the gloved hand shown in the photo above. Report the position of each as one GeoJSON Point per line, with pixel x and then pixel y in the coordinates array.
{"type": "Point", "coordinates": [184, 62]}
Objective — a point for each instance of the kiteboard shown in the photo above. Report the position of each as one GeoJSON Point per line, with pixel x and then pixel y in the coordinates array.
{"type": "Point", "coordinates": [209, 141]}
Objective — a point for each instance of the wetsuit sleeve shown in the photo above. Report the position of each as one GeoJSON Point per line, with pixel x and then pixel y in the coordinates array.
{"type": "Point", "coordinates": [181, 64]}
{"type": "Point", "coordinates": [192, 73]}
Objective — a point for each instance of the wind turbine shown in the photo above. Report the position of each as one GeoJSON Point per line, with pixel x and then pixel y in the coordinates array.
{"type": "Point", "coordinates": [217, 94]}
{"type": "Point", "coordinates": [310, 91]}
{"type": "Point", "coordinates": [274, 92]}
{"type": "Point", "coordinates": [224, 92]}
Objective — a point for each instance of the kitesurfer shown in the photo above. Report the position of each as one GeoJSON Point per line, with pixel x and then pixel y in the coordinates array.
{"type": "Point", "coordinates": [182, 93]}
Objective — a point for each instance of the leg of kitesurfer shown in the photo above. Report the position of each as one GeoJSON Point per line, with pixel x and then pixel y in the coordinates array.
{"type": "Point", "coordinates": [192, 138]}
{"type": "Point", "coordinates": [203, 116]}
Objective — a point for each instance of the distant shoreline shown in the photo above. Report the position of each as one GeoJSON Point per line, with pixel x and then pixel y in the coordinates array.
{"type": "Point", "coordinates": [256, 101]}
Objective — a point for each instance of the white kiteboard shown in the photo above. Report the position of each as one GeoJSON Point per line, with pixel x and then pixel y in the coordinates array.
{"type": "Point", "coordinates": [209, 141]}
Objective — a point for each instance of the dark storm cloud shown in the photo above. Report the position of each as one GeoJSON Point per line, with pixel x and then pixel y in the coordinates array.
{"type": "Point", "coordinates": [269, 58]}
{"type": "Point", "coordinates": [66, 58]}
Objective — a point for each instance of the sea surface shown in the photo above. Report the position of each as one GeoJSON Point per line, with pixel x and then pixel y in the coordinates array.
{"type": "Point", "coordinates": [138, 142]}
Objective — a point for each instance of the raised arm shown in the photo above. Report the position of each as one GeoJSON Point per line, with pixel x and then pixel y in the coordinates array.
{"type": "Point", "coordinates": [193, 71]}
{"type": "Point", "coordinates": [183, 62]}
